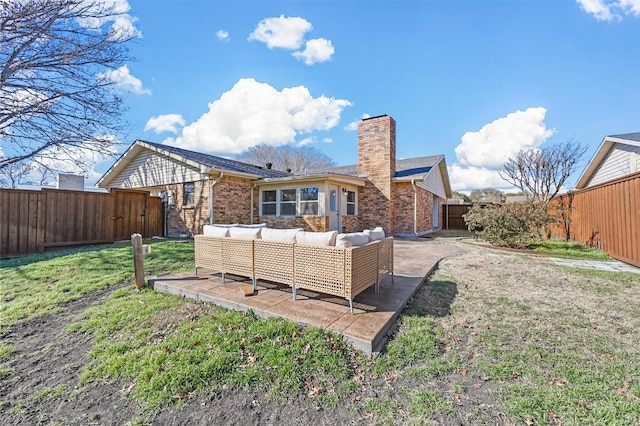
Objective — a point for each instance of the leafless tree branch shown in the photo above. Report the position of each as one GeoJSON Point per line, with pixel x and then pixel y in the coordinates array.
{"type": "Point", "coordinates": [541, 173]}
{"type": "Point", "coordinates": [53, 89]}
{"type": "Point", "coordinates": [296, 159]}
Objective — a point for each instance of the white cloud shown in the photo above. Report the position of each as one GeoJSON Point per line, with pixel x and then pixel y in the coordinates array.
{"type": "Point", "coordinates": [316, 50]}
{"type": "Point", "coordinates": [252, 113]}
{"type": "Point", "coordinates": [116, 13]}
{"type": "Point", "coordinates": [607, 10]}
{"type": "Point", "coordinates": [165, 123]}
{"type": "Point", "coordinates": [494, 143]}
{"type": "Point", "coordinates": [80, 160]}
{"type": "Point", "coordinates": [306, 141]}
{"type": "Point", "coordinates": [325, 140]}
{"type": "Point", "coordinates": [283, 32]}
{"type": "Point", "coordinates": [353, 126]}
{"type": "Point", "coordinates": [468, 178]}
{"type": "Point", "coordinates": [630, 6]}
{"type": "Point", "coordinates": [122, 78]}
{"type": "Point", "coordinates": [222, 35]}
{"type": "Point", "coordinates": [482, 154]}
{"type": "Point", "coordinates": [597, 8]}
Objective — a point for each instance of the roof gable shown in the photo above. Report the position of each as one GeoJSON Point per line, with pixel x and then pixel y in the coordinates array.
{"type": "Point", "coordinates": [610, 144]}
{"type": "Point", "coordinates": [195, 161]}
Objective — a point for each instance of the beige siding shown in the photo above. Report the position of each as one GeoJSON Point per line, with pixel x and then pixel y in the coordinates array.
{"type": "Point", "coordinates": [433, 183]}
{"type": "Point", "coordinates": [621, 161]}
{"type": "Point", "coordinates": [152, 169]}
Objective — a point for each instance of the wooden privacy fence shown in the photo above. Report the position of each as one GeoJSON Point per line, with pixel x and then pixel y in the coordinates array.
{"type": "Point", "coordinates": [31, 221]}
{"type": "Point", "coordinates": [605, 216]}
{"type": "Point", "coordinates": [453, 214]}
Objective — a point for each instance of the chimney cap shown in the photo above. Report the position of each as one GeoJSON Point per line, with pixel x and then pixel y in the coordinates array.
{"type": "Point", "coordinates": [377, 116]}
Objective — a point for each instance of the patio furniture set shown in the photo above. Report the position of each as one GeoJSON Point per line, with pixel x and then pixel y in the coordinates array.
{"type": "Point", "coordinates": [342, 265]}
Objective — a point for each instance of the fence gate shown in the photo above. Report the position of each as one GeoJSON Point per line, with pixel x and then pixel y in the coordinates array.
{"type": "Point", "coordinates": [136, 212]}
{"type": "Point", "coordinates": [453, 214]}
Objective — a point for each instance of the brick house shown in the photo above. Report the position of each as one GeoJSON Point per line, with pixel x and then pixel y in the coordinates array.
{"type": "Point", "coordinates": [403, 196]}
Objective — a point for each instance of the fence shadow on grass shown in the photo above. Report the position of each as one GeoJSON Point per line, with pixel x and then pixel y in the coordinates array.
{"type": "Point", "coordinates": [433, 299]}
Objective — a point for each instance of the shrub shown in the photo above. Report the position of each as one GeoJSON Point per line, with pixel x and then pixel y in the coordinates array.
{"type": "Point", "coordinates": [512, 225]}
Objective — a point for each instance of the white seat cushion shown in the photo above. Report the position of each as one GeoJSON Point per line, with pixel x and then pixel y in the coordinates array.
{"type": "Point", "coordinates": [317, 238]}
{"type": "Point", "coordinates": [282, 235]}
{"type": "Point", "coordinates": [256, 225]}
{"type": "Point", "coordinates": [245, 233]}
{"type": "Point", "coordinates": [215, 231]}
{"type": "Point", "coordinates": [375, 234]}
{"type": "Point", "coordinates": [353, 239]}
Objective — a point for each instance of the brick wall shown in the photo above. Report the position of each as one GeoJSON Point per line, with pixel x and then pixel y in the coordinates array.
{"type": "Point", "coordinates": [351, 224]}
{"type": "Point", "coordinates": [377, 160]}
{"type": "Point", "coordinates": [405, 209]}
{"type": "Point", "coordinates": [187, 220]}
{"type": "Point", "coordinates": [231, 204]}
{"type": "Point", "coordinates": [232, 201]}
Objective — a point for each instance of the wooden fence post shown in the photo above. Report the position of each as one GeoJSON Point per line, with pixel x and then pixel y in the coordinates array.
{"type": "Point", "coordinates": [138, 259]}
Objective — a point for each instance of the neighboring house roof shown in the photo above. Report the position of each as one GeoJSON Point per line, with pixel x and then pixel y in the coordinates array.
{"type": "Point", "coordinates": [195, 160]}
{"type": "Point", "coordinates": [616, 157]}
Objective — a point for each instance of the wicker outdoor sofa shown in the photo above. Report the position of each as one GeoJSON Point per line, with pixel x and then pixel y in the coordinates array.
{"type": "Point", "coordinates": [343, 265]}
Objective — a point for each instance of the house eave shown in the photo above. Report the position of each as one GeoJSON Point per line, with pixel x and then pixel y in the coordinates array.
{"type": "Point", "coordinates": [136, 148]}
{"type": "Point", "coordinates": [351, 180]}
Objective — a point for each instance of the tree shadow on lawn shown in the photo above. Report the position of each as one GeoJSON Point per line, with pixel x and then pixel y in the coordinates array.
{"type": "Point", "coordinates": [433, 299]}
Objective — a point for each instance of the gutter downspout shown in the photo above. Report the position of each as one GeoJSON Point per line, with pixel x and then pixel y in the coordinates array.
{"type": "Point", "coordinates": [211, 185]}
{"type": "Point", "coordinates": [253, 185]}
{"type": "Point", "coordinates": [415, 207]}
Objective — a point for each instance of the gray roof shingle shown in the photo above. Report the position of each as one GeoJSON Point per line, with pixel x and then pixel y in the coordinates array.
{"type": "Point", "coordinates": [635, 137]}
{"type": "Point", "coordinates": [221, 163]}
{"type": "Point", "coordinates": [415, 167]}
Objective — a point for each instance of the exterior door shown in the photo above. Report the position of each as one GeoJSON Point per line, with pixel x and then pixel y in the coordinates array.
{"type": "Point", "coordinates": [334, 208]}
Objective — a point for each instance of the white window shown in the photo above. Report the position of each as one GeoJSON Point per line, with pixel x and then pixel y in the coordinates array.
{"type": "Point", "coordinates": [290, 201]}
{"type": "Point", "coordinates": [351, 203]}
{"type": "Point", "coordinates": [269, 203]}
{"type": "Point", "coordinates": [309, 201]}
{"type": "Point", "coordinates": [189, 189]}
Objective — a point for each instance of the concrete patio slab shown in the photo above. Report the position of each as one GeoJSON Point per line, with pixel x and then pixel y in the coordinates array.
{"type": "Point", "coordinates": [374, 314]}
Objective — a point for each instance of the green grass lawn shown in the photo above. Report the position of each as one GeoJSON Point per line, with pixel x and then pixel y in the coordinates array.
{"type": "Point", "coordinates": [568, 249]}
{"type": "Point", "coordinates": [487, 337]}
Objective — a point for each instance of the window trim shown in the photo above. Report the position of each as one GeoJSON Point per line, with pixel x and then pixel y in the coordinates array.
{"type": "Point", "coordinates": [353, 203]}
{"type": "Point", "coordinates": [185, 198]}
{"type": "Point", "coordinates": [298, 201]}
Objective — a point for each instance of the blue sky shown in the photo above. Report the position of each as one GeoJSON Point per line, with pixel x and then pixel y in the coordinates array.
{"type": "Point", "coordinates": [471, 80]}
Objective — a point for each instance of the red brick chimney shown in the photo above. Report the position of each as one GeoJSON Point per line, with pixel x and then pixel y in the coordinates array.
{"type": "Point", "coordinates": [377, 160]}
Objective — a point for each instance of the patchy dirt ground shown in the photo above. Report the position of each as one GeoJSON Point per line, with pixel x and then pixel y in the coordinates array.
{"type": "Point", "coordinates": [47, 357]}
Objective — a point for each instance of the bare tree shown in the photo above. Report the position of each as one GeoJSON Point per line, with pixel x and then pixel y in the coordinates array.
{"type": "Point", "coordinates": [56, 93]}
{"type": "Point", "coordinates": [15, 174]}
{"type": "Point", "coordinates": [295, 159]}
{"type": "Point", "coordinates": [541, 173]}
{"type": "Point", "coordinates": [487, 195]}
{"type": "Point", "coordinates": [455, 195]}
